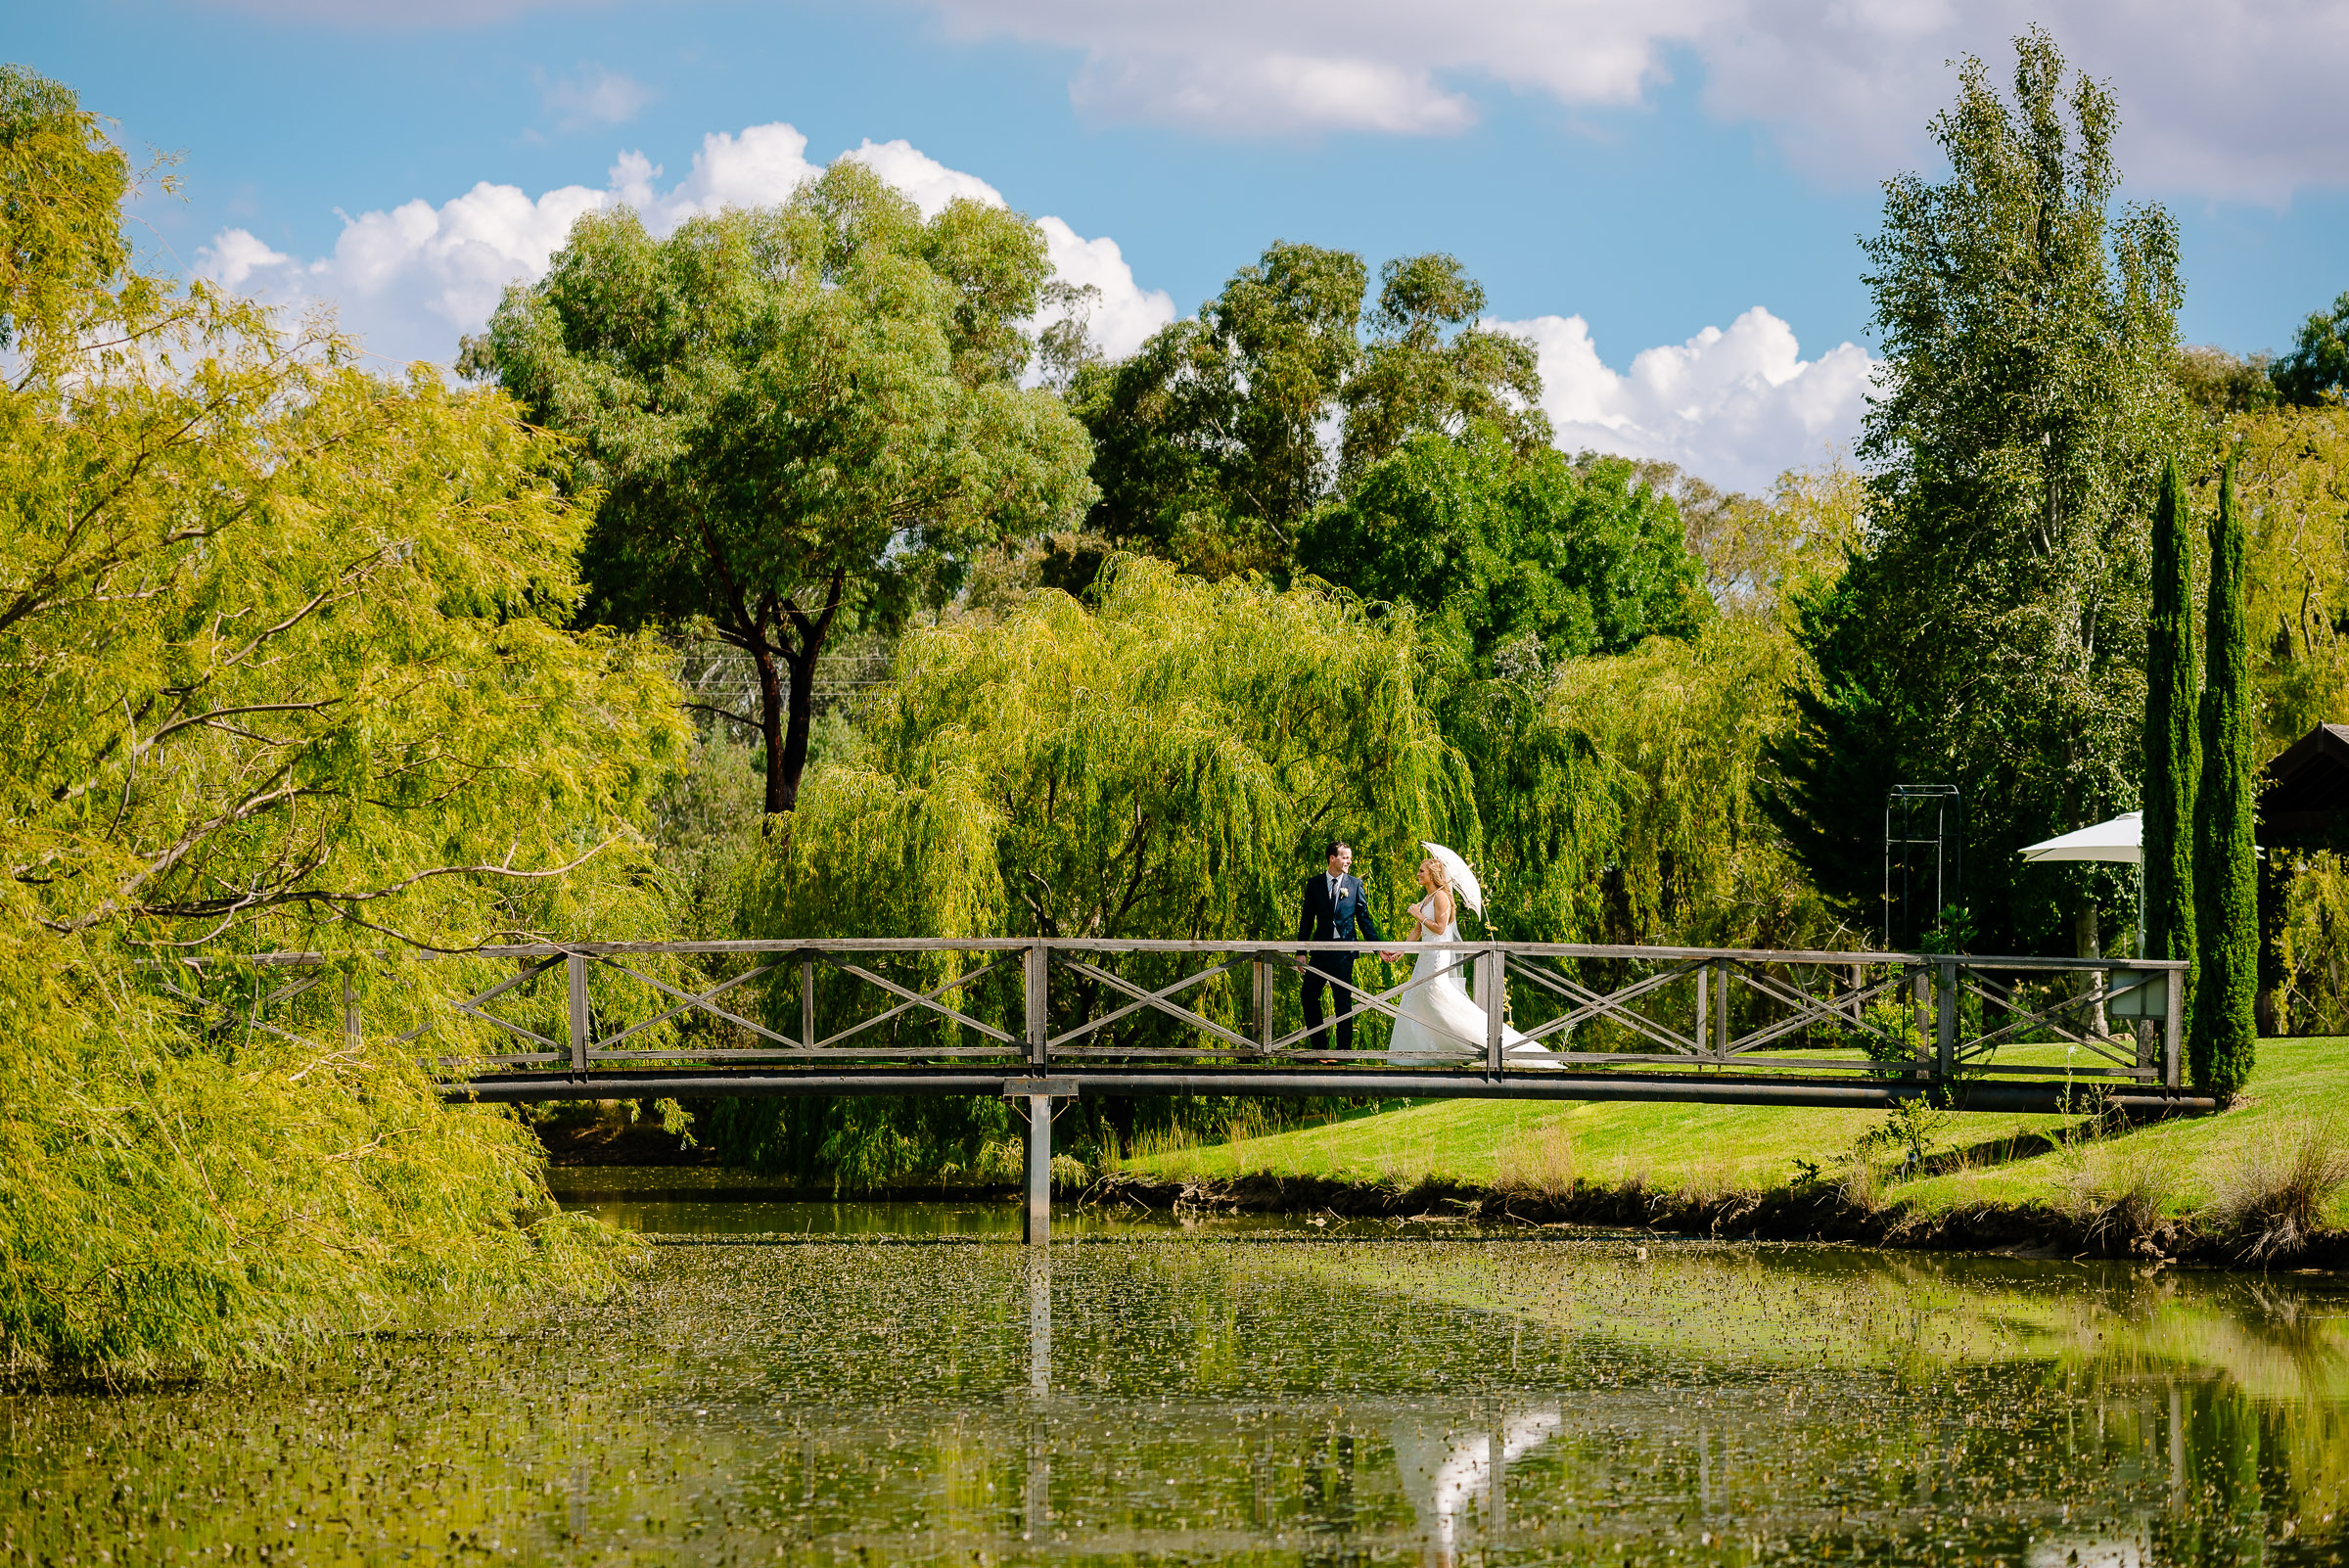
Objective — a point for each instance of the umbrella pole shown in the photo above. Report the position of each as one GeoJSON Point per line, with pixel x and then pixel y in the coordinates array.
{"type": "Point", "coordinates": [2141, 909]}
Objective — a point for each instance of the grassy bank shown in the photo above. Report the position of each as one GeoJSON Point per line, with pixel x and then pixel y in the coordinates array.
{"type": "Point", "coordinates": [1698, 1160]}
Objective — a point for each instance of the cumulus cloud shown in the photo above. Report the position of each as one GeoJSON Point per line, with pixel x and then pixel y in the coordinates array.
{"type": "Point", "coordinates": [1735, 407]}
{"type": "Point", "coordinates": [2224, 98]}
{"type": "Point", "coordinates": [410, 281]}
{"type": "Point", "coordinates": [595, 97]}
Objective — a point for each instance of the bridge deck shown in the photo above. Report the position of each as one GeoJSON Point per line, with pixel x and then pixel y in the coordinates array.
{"type": "Point", "coordinates": [1043, 1020]}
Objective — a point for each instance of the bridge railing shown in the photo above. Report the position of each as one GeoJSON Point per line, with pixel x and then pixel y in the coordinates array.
{"type": "Point", "coordinates": [1036, 1006]}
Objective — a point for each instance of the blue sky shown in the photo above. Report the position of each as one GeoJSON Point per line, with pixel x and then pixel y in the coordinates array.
{"type": "Point", "coordinates": [1622, 178]}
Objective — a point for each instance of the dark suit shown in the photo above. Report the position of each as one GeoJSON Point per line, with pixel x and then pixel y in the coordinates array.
{"type": "Point", "coordinates": [1322, 918]}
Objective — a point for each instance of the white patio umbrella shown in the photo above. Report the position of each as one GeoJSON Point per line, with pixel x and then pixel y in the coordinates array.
{"type": "Point", "coordinates": [2120, 841]}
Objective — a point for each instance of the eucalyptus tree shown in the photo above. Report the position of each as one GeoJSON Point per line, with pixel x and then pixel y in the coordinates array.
{"type": "Point", "coordinates": [1991, 629]}
{"type": "Point", "coordinates": [1207, 440]}
{"type": "Point", "coordinates": [792, 416]}
{"type": "Point", "coordinates": [1430, 368]}
{"type": "Point", "coordinates": [2317, 369]}
{"type": "Point", "coordinates": [1217, 440]}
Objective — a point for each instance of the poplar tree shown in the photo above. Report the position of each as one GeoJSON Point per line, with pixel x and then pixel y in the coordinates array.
{"type": "Point", "coordinates": [2225, 1033]}
{"type": "Point", "coordinates": [2173, 748]}
{"type": "Point", "coordinates": [1989, 631]}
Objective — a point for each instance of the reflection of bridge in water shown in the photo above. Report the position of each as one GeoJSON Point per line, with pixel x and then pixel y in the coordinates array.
{"type": "Point", "coordinates": [1042, 1021]}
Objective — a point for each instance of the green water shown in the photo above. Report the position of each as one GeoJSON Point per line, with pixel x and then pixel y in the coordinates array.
{"type": "Point", "coordinates": [1271, 1394]}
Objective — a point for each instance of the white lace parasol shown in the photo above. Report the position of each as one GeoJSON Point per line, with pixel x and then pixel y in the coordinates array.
{"type": "Point", "coordinates": [1464, 880]}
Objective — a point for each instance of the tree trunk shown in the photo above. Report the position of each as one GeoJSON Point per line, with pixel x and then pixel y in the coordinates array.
{"type": "Point", "coordinates": [770, 726]}
{"type": "Point", "coordinates": [788, 713]}
{"type": "Point", "coordinates": [783, 778]}
{"type": "Point", "coordinates": [2088, 943]}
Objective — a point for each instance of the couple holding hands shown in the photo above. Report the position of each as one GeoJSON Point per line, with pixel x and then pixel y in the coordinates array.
{"type": "Point", "coordinates": [1438, 1019]}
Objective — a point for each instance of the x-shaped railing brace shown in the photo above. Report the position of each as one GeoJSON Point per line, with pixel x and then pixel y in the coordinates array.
{"type": "Point", "coordinates": [1590, 1004]}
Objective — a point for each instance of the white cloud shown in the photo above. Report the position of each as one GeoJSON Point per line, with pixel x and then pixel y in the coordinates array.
{"type": "Point", "coordinates": [929, 182]}
{"type": "Point", "coordinates": [2226, 98]}
{"type": "Point", "coordinates": [1126, 313]}
{"type": "Point", "coordinates": [1736, 407]}
{"type": "Point", "coordinates": [595, 97]}
{"type": "Point", "coordinates": [410, 281]}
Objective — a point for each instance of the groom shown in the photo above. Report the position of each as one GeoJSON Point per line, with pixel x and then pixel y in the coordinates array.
{"type": "Point", "coordinates": [1335, 910]}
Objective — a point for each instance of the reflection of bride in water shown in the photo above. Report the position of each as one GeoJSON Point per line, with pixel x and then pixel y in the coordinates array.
{"type": "Point", "coordinates": [1439, 1020]}
{"type": "Point", "coordinates": [1444, 1474]}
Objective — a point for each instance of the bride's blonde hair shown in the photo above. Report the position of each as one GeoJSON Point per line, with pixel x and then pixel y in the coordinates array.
{"type": "Point", "coordinates": [1437, 874]}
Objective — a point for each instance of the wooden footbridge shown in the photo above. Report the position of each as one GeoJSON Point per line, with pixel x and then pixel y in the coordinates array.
{"type": "Point", "coordinates": [1043, 1021]}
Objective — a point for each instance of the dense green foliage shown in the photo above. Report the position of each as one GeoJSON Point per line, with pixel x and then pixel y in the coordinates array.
{"type": "Point", "coordinates": [1523, 558]}
{"type": "Point", "coordinates": [1990, 631]}
{"type": "Point", "coordinates": [283, 664]}
{"type": "Point", "coordinates": [1165, 764]}
{"type": "Point", "coordinates": [2317, 369]}
{"type": "Point", "coordinates": [1208, 444]}
{"type": "Point", "coordinates": [2173, 761]}
{"type": "Point", "coordinates": [1620, 796]}
{"type": "Point", "coordinates": [2223, 1033]}
{"type": "Point", "coordinates": [801, 414]}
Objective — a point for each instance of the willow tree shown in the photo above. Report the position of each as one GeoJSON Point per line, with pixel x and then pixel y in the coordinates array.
{"type": "Point", "coordinates": [1168, 765]}
{"type": "Point", "coordinates": [1621, 796]}
{"type": "Point", "coordinates": [797, 416]}
{"type": "Point", "coordinates": [1991, 630]}
{"type": "Point", "coordinates": [283, 663]}
{"type": "Point", "coordinates": [2225, 1033]}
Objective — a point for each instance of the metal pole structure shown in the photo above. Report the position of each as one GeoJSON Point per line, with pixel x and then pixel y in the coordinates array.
{"type": "Point", "coordinates": [1492, 987]}
{"type": "Point", "coordinates": [1721, 1009]}
{"type": "Point", "coordinates": [575, 968]}
{"type": "Point", "coordinates": [1264, 1006]}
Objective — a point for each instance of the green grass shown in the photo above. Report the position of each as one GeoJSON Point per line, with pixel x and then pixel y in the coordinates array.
{"type": "Point", "coordinates": [1712, 1147]}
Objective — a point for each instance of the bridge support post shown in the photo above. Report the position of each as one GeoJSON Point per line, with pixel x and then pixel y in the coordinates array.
{"type": "Point", "coordinates": [1036, 1227]}
{"type": "Point", "coordinates": [1945, 1019]}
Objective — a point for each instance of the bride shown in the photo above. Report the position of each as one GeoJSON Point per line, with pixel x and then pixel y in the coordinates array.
{"type": "Point", "coordinates": [1440, 1020]}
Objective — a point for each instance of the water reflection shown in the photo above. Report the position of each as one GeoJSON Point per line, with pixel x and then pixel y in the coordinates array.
{"type": "Point", "coordinates": [1445, 1476]}
{"type": "Point", "coordinates": [1260, 1401]}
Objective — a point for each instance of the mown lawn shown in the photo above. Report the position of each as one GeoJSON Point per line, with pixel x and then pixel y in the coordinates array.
{"type": "Point", "coordinates": [2298, 1081]}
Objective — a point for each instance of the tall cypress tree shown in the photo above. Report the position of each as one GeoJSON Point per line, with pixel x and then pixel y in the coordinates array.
{"type": "Point", "coordinates": [2225, 1033]}
{"type": "Point", "coordinates": [2172, 748]}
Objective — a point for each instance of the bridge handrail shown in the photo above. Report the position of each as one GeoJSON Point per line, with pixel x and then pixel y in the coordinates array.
{"type": "Point", "coordinates": [1779, 1002]}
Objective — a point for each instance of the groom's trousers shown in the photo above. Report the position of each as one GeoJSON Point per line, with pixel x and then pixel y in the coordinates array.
{"type": "Point", "coordinates": [1340, 983]}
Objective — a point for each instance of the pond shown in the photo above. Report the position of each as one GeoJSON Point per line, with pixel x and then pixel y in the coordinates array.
{"type": "Point", "coordinates": [782, 1385]}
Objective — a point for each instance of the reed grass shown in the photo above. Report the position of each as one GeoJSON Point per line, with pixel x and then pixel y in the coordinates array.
{"type": "Point", "coordinates": [2272, 1198]}
{"type": "Point", "coordinates": [1541, 1164]}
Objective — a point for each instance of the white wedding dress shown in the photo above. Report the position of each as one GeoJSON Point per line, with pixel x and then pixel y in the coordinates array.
{"type": "Point", "coordinates": [1441, 1022]}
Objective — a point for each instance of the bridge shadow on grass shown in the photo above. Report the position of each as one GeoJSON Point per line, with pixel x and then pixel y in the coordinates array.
{"type": "Point", "coordinates": [2012, 1149]}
